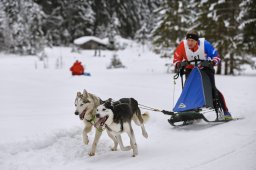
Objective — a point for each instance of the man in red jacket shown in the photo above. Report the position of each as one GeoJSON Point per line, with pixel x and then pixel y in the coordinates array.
{"type": "Point", "coordinates": [199, 48]}
{"type": "Point", "coordinates": [77, 68]}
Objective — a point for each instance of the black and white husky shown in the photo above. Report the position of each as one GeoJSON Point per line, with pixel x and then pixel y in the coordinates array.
{"type": "Point", "coordinates": [116, 117]}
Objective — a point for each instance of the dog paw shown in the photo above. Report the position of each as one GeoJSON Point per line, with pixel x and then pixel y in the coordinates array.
{"type": "Point", "coordinates": [113, 149]}
{"type": "Point", "coordinates": [91, 154]}
{"type": "Point", "coordinates": [134, 154]}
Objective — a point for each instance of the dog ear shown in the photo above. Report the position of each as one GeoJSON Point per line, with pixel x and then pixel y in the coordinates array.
{"type": "Point", "coordinates": [108, 105]}
{"type": "Point", "coordinates": [109, 100]}
{"type": "Point", "coordinates": [79, 94]}
{"type": "Point", "coordinates": [85, 93]}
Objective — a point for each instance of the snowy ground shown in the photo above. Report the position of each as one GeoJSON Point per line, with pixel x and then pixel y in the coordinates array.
{"type": "Point", "coordinates": [39, 130]}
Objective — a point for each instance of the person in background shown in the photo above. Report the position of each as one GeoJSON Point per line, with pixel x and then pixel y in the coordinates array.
{"type": "Point", "coordinates": [77, 68]}
{"type": "Point", "coordinates": [199, 48]}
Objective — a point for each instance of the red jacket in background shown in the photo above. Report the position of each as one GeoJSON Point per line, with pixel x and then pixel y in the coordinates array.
{"type": "Point", "coordinates": [77, 68]}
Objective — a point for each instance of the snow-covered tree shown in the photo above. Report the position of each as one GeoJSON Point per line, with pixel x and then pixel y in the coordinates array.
{"type": "Point", "coordinates": [207, 26]}
{"type": "Point", "coordinates": [248, 26]}
{"type": "Point", "coordinates": [22, 28]}
{"type": "Point", "coordinates": [103, 18]}
{"type": "Point", "coordinates": [218, 21]}
{"type": "Point", "coordinates": [35, 35]}
{"type": "Point", "coordinates": [174, 21]}
{"type": "Point", "coordinates": [66, 20]}
{"type": "Point", "coordinates": [123, 17]}
{"type": "Point", "coordinates": [2, 27]}
{"type": "Point", "coordinates": [147, 17]}
{"type": "Point", "coordinates": [78, 18]}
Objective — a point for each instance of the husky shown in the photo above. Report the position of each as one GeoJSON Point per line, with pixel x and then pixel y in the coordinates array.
{"type": "Point", "coordinates": [86, 105]}
{"type": "Point", "coordinates": [116, 117]}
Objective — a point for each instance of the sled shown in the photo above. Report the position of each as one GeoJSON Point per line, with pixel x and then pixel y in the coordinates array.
{"type": "Point", "coordinates": [87, 74]}
{"type": "Point", "coordinates": [196, 97]}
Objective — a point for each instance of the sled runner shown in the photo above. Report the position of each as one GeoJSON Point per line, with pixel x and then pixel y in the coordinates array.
{"type": "Point", "coordinates": [196, 98]}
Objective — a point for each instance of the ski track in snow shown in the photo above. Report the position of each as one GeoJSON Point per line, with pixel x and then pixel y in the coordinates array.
{"type": "Point", "coordinates": [226, 154]}
{"type": "Point", "coordinates": [60, 148]}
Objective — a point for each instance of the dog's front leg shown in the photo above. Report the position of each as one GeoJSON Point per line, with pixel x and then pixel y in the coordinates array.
{"type": "Point", "coordinates": [120, 141]}
{"type": "Point", "coordinates": [87, 129]}
{"type": "Point", "coordinates": [114, 148]}
{"type": "Point", "coordinates": [95, 142]}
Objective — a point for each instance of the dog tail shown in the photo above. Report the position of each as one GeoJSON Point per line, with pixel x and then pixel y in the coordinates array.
{"type": "Point", "coordinates": [145, 117]}
{"type": "Point", "coordinates": [140, 119]}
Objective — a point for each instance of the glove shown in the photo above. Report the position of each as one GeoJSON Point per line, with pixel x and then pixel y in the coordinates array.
{"type": "Point", "coordinates": [213, 63]}
{"type": "Point", "coordinates": [177, 67]}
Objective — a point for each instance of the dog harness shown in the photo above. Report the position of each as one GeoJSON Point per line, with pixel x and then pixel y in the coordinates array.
{"type": "Point", "coordinates": [92, 120]}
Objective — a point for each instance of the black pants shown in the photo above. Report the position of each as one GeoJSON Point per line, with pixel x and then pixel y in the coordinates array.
{"type": "Point", "coordinates": [216, 94]}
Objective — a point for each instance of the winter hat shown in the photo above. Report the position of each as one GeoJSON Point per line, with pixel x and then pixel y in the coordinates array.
{"type": "Point", "coordinates": [192, 35]}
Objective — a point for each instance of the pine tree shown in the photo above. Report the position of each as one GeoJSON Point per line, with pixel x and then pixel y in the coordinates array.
{"type": "Point", "coordinates": [22, 31]}
{"type": "Point", "coordinates": [102, 18]}
{"type": "Point", "coordinates": [248, 26]}
{"type": "Point", "coordinates": [12, 27]}
{"type": "Point", "coordinates": [67, 20]}
{"type": "Point", "coordinates": [220, 25]}
{"type": "Point", "coordinates": [125, 18]}
{"type": "Point", "coordinates": [78, 19]}
{"type": "Point", "coordinates": [127, 14]}
{"type": "Point", "coordinates": [226, 14]}
{"type": "Point", "coordinates": [147, 18]}
{"type": "Point", "coordinates": [174, 22]}
{"type": "Point", "coordinates": [2, 27]}
{"type": "Point", "coordinates": [206, 25]}
{"type": "Point", "coordinates": [35, 35]}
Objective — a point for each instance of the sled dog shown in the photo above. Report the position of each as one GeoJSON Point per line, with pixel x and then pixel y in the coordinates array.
{"type": "Point", "coordinates": [86, 105]}
{"type": "Point", "coordinates": [116, 117]}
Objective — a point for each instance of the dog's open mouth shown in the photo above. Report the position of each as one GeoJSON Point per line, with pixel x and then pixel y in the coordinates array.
{"type": "Point", "coordinates": [101, 121]}
{"type": "Point", "coordinates": [82, 114]}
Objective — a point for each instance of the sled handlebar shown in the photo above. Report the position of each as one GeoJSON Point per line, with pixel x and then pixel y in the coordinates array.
{"type": "Point", "coordinates": [203, 63]}
{"type": "Point", "coordinates": [195, 62]}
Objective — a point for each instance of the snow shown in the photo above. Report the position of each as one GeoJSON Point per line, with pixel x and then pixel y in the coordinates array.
{"type": "Point", "coordinates": [84, 39]}
{"type": "Point", "coordinates": [39, 130]}
{"type": "Point", "coordinates": [120, 42]}
{"type": "Point", "coordinates": [226, 23]}
{"type": "Point", "coordinates": [212, 6]}
{"type": "Point", "coordinates": [221, 1]}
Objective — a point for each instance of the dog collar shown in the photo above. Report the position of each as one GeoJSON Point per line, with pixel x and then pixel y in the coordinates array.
{"type": "Point", "coordinates": [92, 120]}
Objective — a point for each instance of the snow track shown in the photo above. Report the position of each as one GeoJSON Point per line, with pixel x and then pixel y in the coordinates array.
{"type": "Point", "coordinates": [227, 156]}
{"type": "Point", "coordinates": [60, 147]}
{"type": "Point", "coordinates": [55, 150]}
